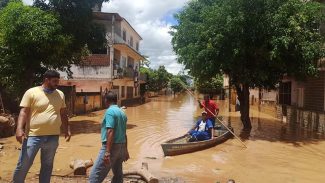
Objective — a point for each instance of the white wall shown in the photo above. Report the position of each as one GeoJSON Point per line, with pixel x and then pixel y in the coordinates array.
{"type": "Point", "coordinates": [89, 72]}
{"type": "Point", "coordinates": [130, 32]}
{"type": "Point", "coordinates": [136, 62]}
{"type": "Point", "coordinates": [295, 85]}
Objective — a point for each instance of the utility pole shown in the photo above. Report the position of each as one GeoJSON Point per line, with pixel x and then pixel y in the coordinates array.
{"type": "Point", "coordinates": [229, 101]}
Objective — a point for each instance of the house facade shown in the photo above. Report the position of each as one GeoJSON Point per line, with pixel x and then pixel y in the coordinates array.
{"type": "Point", "coordinates": [115, 68]}
{"type": "Point", "coordinates": [264, 100]}
{"type": "Point", "coordinates": [302, 102]}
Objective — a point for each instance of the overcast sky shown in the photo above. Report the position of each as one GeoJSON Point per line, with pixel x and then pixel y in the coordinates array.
{"type": "Point", "coordinates": [152, 20]}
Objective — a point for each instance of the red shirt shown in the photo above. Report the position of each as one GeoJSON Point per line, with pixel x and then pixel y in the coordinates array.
{"type": "Point", "coordinates": [211, 106]}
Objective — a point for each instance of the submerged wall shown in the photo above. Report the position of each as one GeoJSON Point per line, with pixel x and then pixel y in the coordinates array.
{"type": "Point", "coordinates": [310, 120]}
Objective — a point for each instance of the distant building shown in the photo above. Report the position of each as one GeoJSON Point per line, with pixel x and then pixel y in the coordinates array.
{"type": "Point", "coordinates": [266, 98]}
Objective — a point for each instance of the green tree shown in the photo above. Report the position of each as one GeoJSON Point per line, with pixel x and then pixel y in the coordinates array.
{"type": "Point", "coordinates": [163, 77]}
{"type": "Point", "coordinates": [157, 79]}
{"type": "Point", "coordinates": [31, 41]}
{"type": "Point", "coordinates": [176, 84]}
{"type": "Point", "coordinates": [211, 86]}
{"type": "Point", "coordinates": [76, 19]}
{"type": "Point", "coordinates": [3, 3]}
{"type": "Point", "coordinates": [254, 42]}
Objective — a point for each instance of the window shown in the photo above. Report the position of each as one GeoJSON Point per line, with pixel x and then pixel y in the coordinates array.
{"type": "Point", "coordinates": [129, 92]}
{"type": "Point", "coordinates": [123, 92]}
{"type": "Point", "coordinates": [124, 35]}
{"type": "Point", "coordinates": [131, 41]}
{"type": "Point", "coordinates": [137, 46]}
{"type": "Point", "coordinates": [285, 93]}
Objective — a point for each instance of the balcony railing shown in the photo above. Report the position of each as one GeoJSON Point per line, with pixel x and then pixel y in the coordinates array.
{"type": "Point", "coordinates": [119, 40]}
{"type": "Point", "coordinates": [124, 73]}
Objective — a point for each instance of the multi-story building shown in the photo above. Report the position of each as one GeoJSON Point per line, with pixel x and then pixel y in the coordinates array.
{"type": "Point", "coordinates": [115, 68]}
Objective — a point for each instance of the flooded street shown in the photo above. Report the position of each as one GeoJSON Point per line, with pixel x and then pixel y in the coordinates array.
{"type": "Point", "coordinates": [275, 153]}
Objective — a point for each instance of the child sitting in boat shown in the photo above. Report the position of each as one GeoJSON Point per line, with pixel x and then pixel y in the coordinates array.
{"type": "Point", "coordinates": [203, 129]}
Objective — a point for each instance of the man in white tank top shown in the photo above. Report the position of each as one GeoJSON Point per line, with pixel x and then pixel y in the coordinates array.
{"type": "Point", "coordinates": [203, 129]}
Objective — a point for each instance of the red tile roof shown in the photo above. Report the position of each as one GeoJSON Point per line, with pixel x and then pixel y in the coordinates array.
{"type": "Point", "coordinates": [96, 60]}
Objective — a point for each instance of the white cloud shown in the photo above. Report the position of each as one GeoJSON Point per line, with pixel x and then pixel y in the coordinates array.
{"type": "Point", "coordinates": [147, 17]}
{"type": "Point", "coordinates": [28, 2]}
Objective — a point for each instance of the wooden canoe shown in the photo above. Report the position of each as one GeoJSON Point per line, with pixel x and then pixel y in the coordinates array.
{"type": "Point", "coordinates": [180, 145]}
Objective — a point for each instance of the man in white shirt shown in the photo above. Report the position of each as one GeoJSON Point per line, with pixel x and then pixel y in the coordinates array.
{"type": "Point", "coordinates": [203, 129]}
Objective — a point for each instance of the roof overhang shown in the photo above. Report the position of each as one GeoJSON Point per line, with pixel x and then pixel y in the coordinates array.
{"type": "Point", "coordinates": [130, 51]}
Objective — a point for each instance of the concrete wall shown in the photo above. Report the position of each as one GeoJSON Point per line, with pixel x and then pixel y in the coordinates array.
{"type": "Point", "coordinates": [130, 32]}
{"type": "Point", "coordinates": [88, 85]}
{"type": "Point", "coordinates": [126, 83]}
{"type": "Point", "coordinates": [89, 72]}
{"type": "Point", "coordinates": [119, 27]}
{"type": "Point", "coordinates": [309, 93]}
{"type": "Point", "coordinates": [295, 86]}
{"type": "Point", "coordinates": [94, 103]}
{"type": "Point", "coordinates": [311, 120]}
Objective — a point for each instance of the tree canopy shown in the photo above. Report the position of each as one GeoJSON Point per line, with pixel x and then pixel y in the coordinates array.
{"type": "Point", "coordinates": [51, 34]}
{"type": "Point", "coordinates": [210, 86]}
{"type": "Point", "coordinates": [254, 42]}
{"type": "Point", "coordinates": [157, 79]}
{"type": "Point", "coordinates": [76, 19]}
{"type": "Point", "coordinates": [177, 84]}
{"type": "Point", "coordinates": [31, 40]}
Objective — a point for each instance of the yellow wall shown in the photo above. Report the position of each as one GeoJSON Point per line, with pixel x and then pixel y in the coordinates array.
{"type": "Point", "coordinates": [94, 103]}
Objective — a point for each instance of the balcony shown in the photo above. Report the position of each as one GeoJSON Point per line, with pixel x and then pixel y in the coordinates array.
{"type": "Point", "coordinates": [129, 74]}
{"type": "Point", "coordinates": [119, 40]}
{"type": "Point", "coordinates": [124, 73]}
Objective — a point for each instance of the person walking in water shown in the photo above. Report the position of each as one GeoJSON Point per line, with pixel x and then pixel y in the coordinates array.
{"type": "Point", "coordinates": [210, 107]}
{"type": "Point", "coordinates": [114, 144]}
{"type": "Point", "coordinates": [42, 113]}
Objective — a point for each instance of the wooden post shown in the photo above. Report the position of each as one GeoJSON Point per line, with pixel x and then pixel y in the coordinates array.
{"type": "Point", "coordinates": [73, 99]}
{"type": "Point", "coordinates": [101, 97]}
{"type": "Point", "coordinates": [1, 103]}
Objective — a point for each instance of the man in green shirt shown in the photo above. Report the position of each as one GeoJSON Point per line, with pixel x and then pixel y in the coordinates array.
{"type": "Point", "coordinates": [114, 150]}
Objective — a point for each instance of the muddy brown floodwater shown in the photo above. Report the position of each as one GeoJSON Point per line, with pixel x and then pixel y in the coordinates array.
{"type": "Point", "coordinates": [276, 152]}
